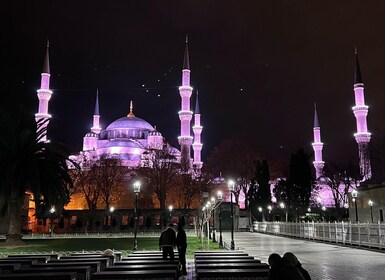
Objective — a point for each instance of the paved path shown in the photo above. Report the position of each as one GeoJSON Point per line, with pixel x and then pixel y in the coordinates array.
{"type": "Point", "coordinates": [323, 261]}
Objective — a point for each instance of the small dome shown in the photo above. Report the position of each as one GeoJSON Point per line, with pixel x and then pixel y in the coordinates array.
{"type": "Point", "coordinates": [91, 134]}
{"type": "Point", "coordinates": [120, 143]}
{"type": "Point", "coordinates": [130, 123]}
{"type": "Point", "coordinates": [154, 133]}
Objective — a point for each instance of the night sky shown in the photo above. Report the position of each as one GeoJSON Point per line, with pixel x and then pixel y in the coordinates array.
{"type": "Point", "coordinates": [259, 67]}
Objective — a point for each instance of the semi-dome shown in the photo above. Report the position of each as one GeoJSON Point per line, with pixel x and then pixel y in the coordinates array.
{"type": "Point", "coordinates": [130, 123]}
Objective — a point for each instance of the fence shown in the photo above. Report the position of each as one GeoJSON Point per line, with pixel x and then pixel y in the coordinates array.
{"type": "Point", "coordinates": [368, 234]}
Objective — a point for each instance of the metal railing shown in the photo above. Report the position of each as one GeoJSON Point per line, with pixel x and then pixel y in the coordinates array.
{"type": "Point", "coordinates": [366, 234]}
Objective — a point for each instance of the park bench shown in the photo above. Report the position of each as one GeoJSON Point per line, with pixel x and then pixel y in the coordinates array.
{"type": "Point", "coordinates": [23, 263]}
{"type": "Point", "coordinates": [143, 267]}
{"type": "Point", "coordinates": [52, 256]}
{"type": "Point", "coordinates": [233, 273]}
{"type": "Point", "coordinates": [145, 255]}
{"type": "Point", "coordinates": [240, 265]}
{"type": "Point", "coordinates": [129, 257]}
{"type": "Point", "coordinates": [137, 274]}
{"type": "Point", "coordinates": [220, 254]}
{"type": "Point", "coordinates": [111, 258]}
{"type": "Point", "coordinates": [82, 272]}
{"type": "Point", "coordinates": [104, 262]}
{"type": "Point", "coordinates": [212, 257]}
{"type": "Point", "coordinates": [117, 254]}
{"type": "Point", "coordinates": [94, 266]}
{"type": "Point", "coordinates": [39, 259]}
{"type": "Point", "coordinates": [41, 276]}
{"type": "Point", "coordinates": [9, 267]}
{"type": "Point", "coordinates": [149, 262]}
{"type": "Point", "coordinates": [198, 261]}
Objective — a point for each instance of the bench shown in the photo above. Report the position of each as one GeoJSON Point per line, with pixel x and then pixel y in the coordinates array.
{"type": "Point", "coordinates": [9, 267]}
{"type": "Point", "coordinates": [104, 262]}
{"type": "Point", "coordinates": [233, 273]}
{"type": "Point", "coordinates": [206, 257]}
{"type": "Point", "coordinates": [130, 257]}
{"type": "Point", "coordinates": [240, 265]}
{"type": "Point", "coordinates": [23, 263]}
{"type": "Point", "coordinates": [51, 256]}
{"type": "Point", "coordinates": [39, 259]}
{"type": "Point", "coordinates": [220, 254]}
{"type": "Point", "coordinates": [149, 262]}
{"type": "Point", "coordinates": [82, 272]}
{"type": "Point", "coordinates": [136, 274]}
{"type": "Point", "coordinates": [143, 267]}
{"type": "Point", "coordinates": [111, 258]}
{"type": "Point", "coordinates": [41, 276]}
{"type": "Point", "coordinates": [117, 254]}
{"type": "Point", "coordinates": [94, 266]}
{"type": "Point", "coordinates": [227, 261]}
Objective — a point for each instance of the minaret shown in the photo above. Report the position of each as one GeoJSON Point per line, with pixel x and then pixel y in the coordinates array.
{"type": "Point", "coordinates": [185, 114]}
{"type": "Point", "coordinates": [44, 94]}
{"type": "Point", "coordinates": [96, 126]}
{"type": "Point", "coordinates": [362, 136]}
{"type": "Point", "coordinates": [197, 145]}
{"type": "Point", "coordinates": [317, 146]}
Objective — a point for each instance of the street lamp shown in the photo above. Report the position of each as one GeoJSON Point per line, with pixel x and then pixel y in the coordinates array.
{"type": "Point", "coordinates": [231, 185]}
{"type": "Point", "coordinates": [220, 197]}
{"type": "Point", "coordinates": [213, 203]}
{"type": "Point", "coordinates": [323, 209]}
{"type": "Point", "coordinates": [282, 205]}
{"type": "Point", "coordinates": [136, 191]}
{"type": "Point", "coordinates": [370, 202]}
{"type": "Point", "coordinates": [52, 211]}
{"type": "Point", "coordinates": [355, 195]}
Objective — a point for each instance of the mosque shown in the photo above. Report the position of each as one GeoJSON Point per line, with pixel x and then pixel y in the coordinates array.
{"type": "Point", "coordinates": [130, 138]}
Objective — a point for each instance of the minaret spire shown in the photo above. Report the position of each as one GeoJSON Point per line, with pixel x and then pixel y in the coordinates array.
{"type": "Point", "coordinates": [44, 93]}
{"type": "Point", "coordinates": [317, 146]}
{"type": "Point", "coordinates": [197, 128]}
{"type": "Point", "coordinates": [96, 126]}
{"type": "Point", "coordinates": [131, 113]}
{"type": "Point", "coordinates": [185, 114]}
{"type": "Point", "coordinates": [360, 111]}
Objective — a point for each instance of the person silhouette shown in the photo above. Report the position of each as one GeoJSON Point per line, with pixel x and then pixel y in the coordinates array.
{"type": "Point", "coordinates": [167, 242]}
{"type": "Point", "coordinates": [293, 260]}
{"type": "Point", "coordinates": [181, 242]}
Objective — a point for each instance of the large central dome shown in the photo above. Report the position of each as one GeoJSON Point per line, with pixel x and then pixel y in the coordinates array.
{"type": "Point", "coordinates": [130, 123]}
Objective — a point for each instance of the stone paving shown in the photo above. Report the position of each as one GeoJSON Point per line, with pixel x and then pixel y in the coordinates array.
{"type": "Point", "coordinates": [324, 261]}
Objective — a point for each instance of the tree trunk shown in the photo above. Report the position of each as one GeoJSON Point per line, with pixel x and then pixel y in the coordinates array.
{"type": "Point", "coordinates": [14, 235]}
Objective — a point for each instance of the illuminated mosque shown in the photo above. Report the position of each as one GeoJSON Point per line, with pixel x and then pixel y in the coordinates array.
{"type": "Point", "coordinates": [130, 138]}
{"type": "Point", "coordinates": [362, 137]}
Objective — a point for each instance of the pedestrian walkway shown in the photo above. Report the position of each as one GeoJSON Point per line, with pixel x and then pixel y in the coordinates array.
{"type": "Point", "coordinates": [323, 261]}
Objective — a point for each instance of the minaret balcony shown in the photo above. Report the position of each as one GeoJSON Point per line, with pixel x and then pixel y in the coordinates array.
{"type": "Point", "coordinates": [197, 146]}
{"type": "Point", "coordinates": [185, 88]}
{"type": "Point", "coordinates": [41, 116]}
{"type": "Point", "coordinates": [360, 108]}
{"type": "Point", "coordinates": [362, 137]}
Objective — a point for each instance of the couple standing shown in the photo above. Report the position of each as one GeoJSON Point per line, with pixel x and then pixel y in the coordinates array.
{"type": "Point", "coordinates": [169, 239]}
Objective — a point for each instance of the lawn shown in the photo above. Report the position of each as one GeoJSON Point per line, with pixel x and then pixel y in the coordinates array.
{"type": "Point", "coordinates": [95, 244]}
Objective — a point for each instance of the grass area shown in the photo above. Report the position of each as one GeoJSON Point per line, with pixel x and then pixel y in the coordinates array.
{"type": "Point", "coordinates": [94, 244]}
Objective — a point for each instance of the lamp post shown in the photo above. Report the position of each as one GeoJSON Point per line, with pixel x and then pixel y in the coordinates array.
{"type": "Point", "coordinates": [170, 209]}
{"type": "Point", "coordinates": [52, 211]}
{"type": "Point", "coordinates": [355, 195]}
{"type": "Point", "coordinates": [269, 208]}
{"type": "Point", "coordinates": [220, 197]}
{"type": "Point", "coordinates": [282, 205]}
{"type": "Point", "coordinates": [136, 191]}
{"type": "Point", "coordinates": [260, 211]}
{"type": "Point", "coordinates": [323, 211]}
{"type": "Point", "coordinates": [213, 204]}
{"type": "Point", "coordinates": [370, 202]}
{"type": "Point", "coordinates": [231, 185]}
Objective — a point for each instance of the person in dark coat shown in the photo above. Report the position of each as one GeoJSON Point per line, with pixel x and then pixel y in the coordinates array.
{"type": "Point", "coordinates": [293, 260]}
{"type": "Point", "coordinates": [181, 242]}
{"type": "Point", "coordinates": [167, 242]}
{"type": "Point", "coordinates": [281, 269]}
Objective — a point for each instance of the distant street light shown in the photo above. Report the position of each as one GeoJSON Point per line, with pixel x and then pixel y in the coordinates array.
{"type": "Point", "coordinates": [220, 197]}
{"type": "Point", "coordinates": [213, 203]}
{"type": "Point", "coordinates": [355, 195]}
{"type": "Point", "coordinates": [231, 185]}
{"type": "Point", "coordinates": [170, 209]}
{"type": "Point", "coordinates": [370, 202]}
{"type": "Point", "coordinates": [136, 191]}
{"type": "Point", "coordinates": [52, 211]}
{"type": "Point", "coordinates": [283, 206]}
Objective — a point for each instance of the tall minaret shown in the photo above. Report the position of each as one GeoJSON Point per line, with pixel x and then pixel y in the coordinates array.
{"type": "Point", "coordinates": [362, 136]}
{"type": "Point", "coordinates": [44, 93]}
{"type": "Point", "coordinates": [317, 146]}
{"type": "Point", "coordinates": [96, 126]}
{"type": "Point", "coordinates": [185, 114]}
{"type": "Point", "coordinates": [197, 145]}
